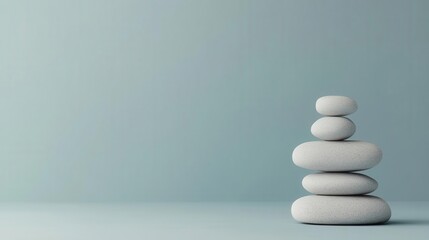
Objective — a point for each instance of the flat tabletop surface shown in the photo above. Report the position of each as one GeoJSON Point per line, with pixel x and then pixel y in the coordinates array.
{"type": "Point", "coordinates": [244, 220]}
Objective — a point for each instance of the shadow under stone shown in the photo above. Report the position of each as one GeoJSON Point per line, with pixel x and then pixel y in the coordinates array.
{"type": "Point", "coordinates": [408, 222]}
{"type": "Point", "coordinates": [393, 222]}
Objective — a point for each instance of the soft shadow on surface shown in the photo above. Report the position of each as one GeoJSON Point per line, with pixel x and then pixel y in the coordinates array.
{"type": "Point", "coordinates": [408, 222]}
{"type": "Point", "coordinates": [395, 222]}
{"type": "Point", "coordinates": [344, 225]}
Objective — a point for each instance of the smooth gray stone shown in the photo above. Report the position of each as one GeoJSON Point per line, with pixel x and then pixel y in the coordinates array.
{"type": "Point", "coordinates": [339, 183]}
{"type": "Point", "coordinates": [365, 209]}
{"type": "Point", "coordinates": [336, 156]}
{"type": "Point", "coordinates": [333, 128]}
{"type": "Point", "coordinates": [336, 106]}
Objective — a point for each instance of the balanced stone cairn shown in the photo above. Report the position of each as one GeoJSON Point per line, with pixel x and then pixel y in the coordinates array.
{"type": "Point", "coordinates": [339, 192]}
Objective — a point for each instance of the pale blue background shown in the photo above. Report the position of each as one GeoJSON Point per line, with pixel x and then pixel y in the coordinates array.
{"type": "Point", "coordinates": [203, 100]}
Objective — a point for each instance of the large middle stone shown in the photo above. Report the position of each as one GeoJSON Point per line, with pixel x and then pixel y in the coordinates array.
{"type": "Point", "coordinates": [341, 156]}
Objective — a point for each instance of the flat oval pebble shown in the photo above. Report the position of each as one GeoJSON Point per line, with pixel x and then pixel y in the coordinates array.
{"type": "Point", "coordinates": [333, 128]}
{"type": "Point", "coordinates": [339, 183]}
{"type": "Point", "coordinates": [344, 210]}
{"type": "Point", "coordinates": [336, 106]}
{"type": "Point", "coordinates": [336, 156]}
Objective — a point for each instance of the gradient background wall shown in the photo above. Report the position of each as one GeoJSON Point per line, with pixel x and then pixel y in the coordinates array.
{"type": "Point", "coordinates": [203, 100]}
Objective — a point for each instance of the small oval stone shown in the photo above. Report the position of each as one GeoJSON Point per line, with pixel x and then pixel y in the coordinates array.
{"type": "Point", "coordinates": [333, 128]}
{"type": "Point", "coordinates": [337, 156]}
{"type": "Point", "coordinates": [339, 183]}
{"type": "Point", "coordinates": [344, 210]}
{"type": "Point", "coordinates": [336, 106]}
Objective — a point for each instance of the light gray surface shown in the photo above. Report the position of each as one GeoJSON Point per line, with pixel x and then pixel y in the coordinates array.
{"type": "Point", "coordinates": [333, 128]}
{"type": "Point", "coordinates": [339, 183]}
{"type": "Point", "coordinates": [337, 156]}
{"type": "Point", "coordinates": [336, 105]}
{"type": "Point", "coordinates": [341, 210]}
{"type": "Point", "coordinates": [190, 221]}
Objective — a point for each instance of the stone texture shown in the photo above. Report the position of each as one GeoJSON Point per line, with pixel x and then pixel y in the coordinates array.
{"type": "Point", "coordinates": [333, 128]}
{"type": "Point", "coordinates": [344, 210]}
{"type": "Point", "coordinates": [336, 106]}
{"type": "Point", "coordinates": [339, 183]}
{"type": "Point", "coordinates": [336, 156]}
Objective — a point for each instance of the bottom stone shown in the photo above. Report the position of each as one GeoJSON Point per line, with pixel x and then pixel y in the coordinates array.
{"type": "Point", "coordinates": [341, 210]}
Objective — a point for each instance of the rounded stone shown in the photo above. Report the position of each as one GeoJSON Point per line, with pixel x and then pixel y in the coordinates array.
{"type": "Point", "coordinates": [336, 156]}
{"type": "Point", "coordinates": [341, 210]}
{"type": "Point", "coordinates": [333, 128]}
{"type": "Point", "coordinates": [339, 183]}
{"type": "Point", "coordinates": [336, 105]}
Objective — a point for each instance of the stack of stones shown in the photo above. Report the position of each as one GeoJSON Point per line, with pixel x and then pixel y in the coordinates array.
{"type": "Point", "coordinates": [339, 193]}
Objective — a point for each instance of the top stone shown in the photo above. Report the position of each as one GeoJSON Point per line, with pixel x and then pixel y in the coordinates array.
{"type": "Point", "coordinates": [336, 106]}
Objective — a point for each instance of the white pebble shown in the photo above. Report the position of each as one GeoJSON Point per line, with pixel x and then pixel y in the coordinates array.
{"type": "Point", "coordinates": [364, 209]}
{"type": "Point", "coordinates": [336, 105]}
{"type": "Point", "coordinates": [336, 156]}
{"type": "Point", "coordinates": [333, 128]}
{"type": "Point", "coordinates": [339, 183]}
